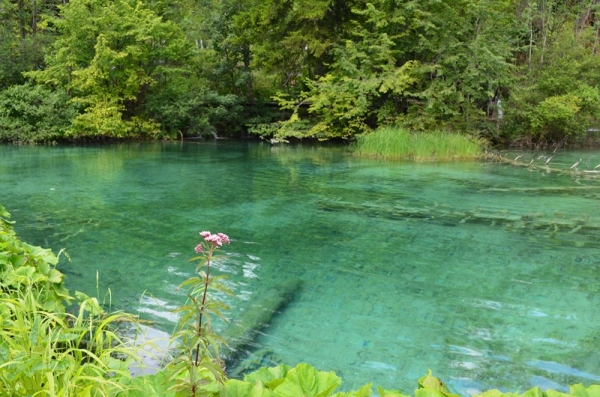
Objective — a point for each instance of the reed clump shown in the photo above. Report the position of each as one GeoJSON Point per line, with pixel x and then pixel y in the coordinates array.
{"type": "Point", "coordinates": [395, 143]}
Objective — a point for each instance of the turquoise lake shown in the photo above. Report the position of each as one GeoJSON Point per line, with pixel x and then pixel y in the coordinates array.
{"type": "Point", "coordinates": [486, 273]}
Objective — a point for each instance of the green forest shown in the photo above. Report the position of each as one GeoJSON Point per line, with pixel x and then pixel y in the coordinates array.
{"type": "Point", "coordinates": [511, 72]}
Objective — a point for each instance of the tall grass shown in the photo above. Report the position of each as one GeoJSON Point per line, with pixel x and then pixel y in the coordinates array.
{"type": "Point", "coordinates": [61, 354]}
{"type": "Point", "coordinates": [46, 351]}
{"type": "Point", "coordinates": [393, 143]}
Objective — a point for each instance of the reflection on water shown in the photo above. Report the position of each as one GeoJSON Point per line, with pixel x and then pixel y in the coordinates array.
{"type": "Point", "coordinates": [487, 274]}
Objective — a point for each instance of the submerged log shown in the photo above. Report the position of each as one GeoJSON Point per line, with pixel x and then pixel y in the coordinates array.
{"type": "Point", "coordinates": [479, 216]}
{"type": "Point", "coordinates": [267, 303]}
{"type": "Point", "coordinates": [238, 335]}
{"type": "Point", "coordinates": [548, 189]}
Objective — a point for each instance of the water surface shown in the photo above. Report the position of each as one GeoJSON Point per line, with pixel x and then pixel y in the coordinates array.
{"type": "Point", "coordinates": [485, 273]}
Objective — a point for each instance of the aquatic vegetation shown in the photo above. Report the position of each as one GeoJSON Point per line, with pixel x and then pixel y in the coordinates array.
{"type": "Point", "coordinates": [393, 143]}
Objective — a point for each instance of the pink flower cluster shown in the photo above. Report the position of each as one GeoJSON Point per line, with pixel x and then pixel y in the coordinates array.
{"type": "Point", "coordinates": [214, 239]}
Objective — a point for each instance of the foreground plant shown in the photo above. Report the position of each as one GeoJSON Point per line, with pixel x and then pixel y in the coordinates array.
{"type": "Point", "coordinates": [305, 380]}
{"type": "Point", "coordinates": [198, 369]}
{"type": "Point", "coordinates": [44, 350]}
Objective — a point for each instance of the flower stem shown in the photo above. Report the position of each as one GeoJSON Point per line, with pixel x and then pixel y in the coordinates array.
{"type": "Point", "coordinates": [199, 334]}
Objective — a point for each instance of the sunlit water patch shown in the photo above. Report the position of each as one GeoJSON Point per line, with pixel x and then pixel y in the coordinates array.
{"type": "Point", "coordinates": [486, 273]}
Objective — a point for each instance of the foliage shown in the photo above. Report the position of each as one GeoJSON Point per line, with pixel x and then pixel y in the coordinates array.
{"type": "Point", "coordinates": [21, 44]}
{"type": "Point", "coordinates": [398, 143]}
{"type": "Point", "coordinates": [366, 69]}
{"type": "Point", "coordinates": [187, 107]}
{"type": "Point", "coordinates": [415, 63]}
{"type": "Point", "coordinates": [304, 380]}
{"type": "Point", "coordinates": [69, 354]}
{"type": "Point", "coordinates": [559, 98]}
{"type": "Point", "coordinates": [290, 41]}
{"type": "Point", "coordinates": [43, 349]}
{"type": "Point", "coordinates": [107, 54]}
{"type": "Point", "coordinates": [24, 267]}
{"type": "Point", "coordinates": [465, 48]}
{"type": "Point", "coordinates": [32, 113]}
{"type": "Point", "coordinates": [334, 68]}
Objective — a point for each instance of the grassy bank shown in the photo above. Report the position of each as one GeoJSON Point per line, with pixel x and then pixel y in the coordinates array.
{"type": "Point", "coordinates": [392, 143]}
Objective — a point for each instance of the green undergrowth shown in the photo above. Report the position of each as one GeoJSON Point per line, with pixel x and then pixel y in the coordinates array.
{"type": "Point", "coordinates": [392, 143]}
{"type": "Point", "coordinates": [55, 344]}
{"type": "Point", "coordinates": [50, 346]}
{"type": "Point", "coordinates": [306, 381]}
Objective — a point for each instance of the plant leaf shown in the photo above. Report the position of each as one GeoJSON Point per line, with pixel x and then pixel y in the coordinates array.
{"type": "Point", "coordinates": [304, 380]}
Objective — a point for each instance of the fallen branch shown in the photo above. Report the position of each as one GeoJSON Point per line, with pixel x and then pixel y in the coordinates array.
{"type": "Point", "coordinates": [540, 189]}
{"type": "Point", "coordinates": [479, 216]}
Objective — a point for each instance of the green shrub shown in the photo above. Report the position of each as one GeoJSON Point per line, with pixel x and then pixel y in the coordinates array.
{"type": "Point", "coordinates": [186, 106]}
{"type": "Point", "coordinates": [557, 98]}
{"type": "Point", "coordinates": [32, 113]}
{"type": "Point", "coordinates": [25, 267]}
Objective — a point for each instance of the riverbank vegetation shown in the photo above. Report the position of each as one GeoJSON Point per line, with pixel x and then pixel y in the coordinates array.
{"type": "Point", "coordinates": [46, 349]}
{"type": "Point", "coordinates": [509, 72]}
{"type": "Point", "coordinates": [399, 144]}
{"type": "Point", "coordinates": [53, 343]}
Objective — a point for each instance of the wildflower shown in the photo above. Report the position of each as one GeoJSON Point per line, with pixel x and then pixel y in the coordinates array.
{"type": "Point", "coordinates": [224, 237]}
{"type": "Point", "coordinates": [214, 239]}
{"type": "Point", "coordinates": [198, 248]}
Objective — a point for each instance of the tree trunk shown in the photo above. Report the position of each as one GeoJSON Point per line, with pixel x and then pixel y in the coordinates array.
{"type": "Point", "coordinates": [249, 85]}
{"type": "Point", "coordinates": [34, 18]}
{"type": "Point", "coordinates": [20, 11]}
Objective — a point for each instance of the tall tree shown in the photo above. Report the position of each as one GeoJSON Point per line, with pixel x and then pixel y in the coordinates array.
{"type": "Point", "coordinates": [421, 63]}
{"type": "Point", "coordinates": [107, 54]}
{"type": "Point", "coordinates": [466, 49]}
{"type": "Point", "coordinates": [21, 44]}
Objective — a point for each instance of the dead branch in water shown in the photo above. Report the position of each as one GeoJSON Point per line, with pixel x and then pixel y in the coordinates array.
{"type": "Point", "coordinates": [547, 189]}
{"type": "Point", "coordinates": [546, 167]}
{"type": "Point", "coordinates": [477, 216]}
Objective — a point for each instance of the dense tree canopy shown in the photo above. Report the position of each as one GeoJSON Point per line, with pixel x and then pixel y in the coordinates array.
{"type": "Point", "coordinates": [511, 71]}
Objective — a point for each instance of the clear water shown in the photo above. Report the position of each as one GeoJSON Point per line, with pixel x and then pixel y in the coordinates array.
{"type": "Point", "coordinates": [482, 302]}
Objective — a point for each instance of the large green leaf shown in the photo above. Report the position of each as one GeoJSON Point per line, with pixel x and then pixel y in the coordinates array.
{"type": "Point", "coordinates": [238, 388]}
{"type": "Point", "coordinates": [435, 384]}
{"type": "Point", "coordinates": [425, 392]}
{"type": "Point", "coordinates": [535, 392]}
{"type": "Point", "coordinates": [365, 391]}
{"type": "Point", "coordinates": [389, 393]}
{"type": "Point", "coordinates": [25, 271]}
{"type": "Point", "coordinates": [4, 213]}
{"type": "Point", "coordinates": [580, 391]}
{"type": "Point", "coordinates": [304, 380]}
{"type": "Point", "coordinates": [44, 254]}
{"type": "Point", "coordinates": [554, 393]}
{"type": "Point", "coordinates": [491, 393]}
{"type": "Point", "coordinates": [270, 376]}
{"type": "Point", "coordinates": [148, 386]}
